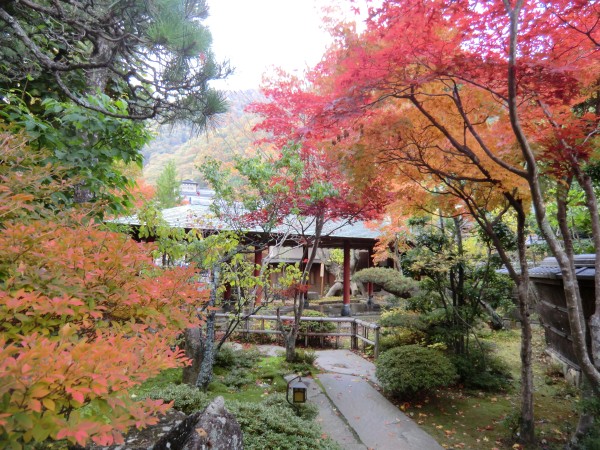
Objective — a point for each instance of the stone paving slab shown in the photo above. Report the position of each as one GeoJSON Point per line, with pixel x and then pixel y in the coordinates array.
{"type": "Point", "coordinates": [330, 419]}
{"type": "Point", "coordinates": [346, 362]}
{"type": "Point", "coordinates": [378, 423]}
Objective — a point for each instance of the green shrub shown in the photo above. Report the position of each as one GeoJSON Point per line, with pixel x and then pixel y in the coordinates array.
{"type": "Point", "coordinates": [237, 378]}
{"type": "Point", "coordinates": [412, 370]}
{"type": "Point", "coordinates": [400, 328]}
{"type": "Point", "coordinates": [310, 326]}
{"type": "Point", "coordinates": [481, 370]}
{"type": "Point", "coordinates": [401, 318]}
{"type": "Point", "coordinates": [389, 279]}
{"type": "Point", "coordinates": [399, 337]}
{"type": "Point", "coordinates": [185, 398]}
{"type": "Point", "coordinates": [274, 424]}
{"type": "Point", "coordinates": [392, 301]}
{"type": "Point", "coordinates": [305, 356]}
{"type": "Point", "coordinates": [314, 326]}
{"type": "Point", "coordinates": [307, 411]}
{"type": "Point", "coordinates": [228, 357]}
{"type": "Point", "coordinates": [591, 441]}
{"type": "Point", "coordinates": [302, 363]}
{"type": "Point", "coordinates": [225, 358]}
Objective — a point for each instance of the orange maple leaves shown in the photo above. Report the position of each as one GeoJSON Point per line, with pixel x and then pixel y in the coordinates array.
{"type": "Point", "coordinates": [84, 317]}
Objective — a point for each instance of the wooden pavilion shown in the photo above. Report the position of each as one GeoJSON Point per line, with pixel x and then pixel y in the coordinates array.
{"type": "Point", "coordinates": [356, 235]}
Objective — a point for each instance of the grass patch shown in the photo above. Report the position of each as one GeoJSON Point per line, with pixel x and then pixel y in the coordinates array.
{"type": "Point", "coordinates": [164, 379]}
{"type": "Point", "coordinates": [251, 384]}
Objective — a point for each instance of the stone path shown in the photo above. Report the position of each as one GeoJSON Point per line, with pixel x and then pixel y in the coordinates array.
{"type": "Point", "coordinates": [353, 413]}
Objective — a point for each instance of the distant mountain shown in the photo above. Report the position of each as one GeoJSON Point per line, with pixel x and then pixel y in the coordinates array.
{"type": "Point", "coordinates": [231, 135]}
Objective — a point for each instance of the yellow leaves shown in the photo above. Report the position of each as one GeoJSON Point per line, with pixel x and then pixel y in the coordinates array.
{"type": "Point", "coordinates": [49, 404]}
{"type": "Point", "coordinates": [67, 331]}
{"type": "Point", "coordinates": [22, 197]}
{"type": "Point", "coordinates": [39, 391]}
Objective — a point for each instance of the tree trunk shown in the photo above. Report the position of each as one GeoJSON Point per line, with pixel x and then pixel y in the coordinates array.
{"type": "Point", "coordinates": [495, 320]}
{"type": "Point", "coordinates": [521, 279]}
{"type": "Point", "coordinates": [290, 347]}
{"type": "Point", "coordinates": [527, 426]}
{"type": "Point", "coordinates": [463, 323]}
{"type": "Point", "coordinates": [206, 368]}
{"type": "Point", "coordinates": [334, 289]}
{"type": "Point", "coordinates": [564, 259]}
{"type": "Point", "coordinates": [194, 350]}
{"type": "Point", "coordinates": [290, 337]}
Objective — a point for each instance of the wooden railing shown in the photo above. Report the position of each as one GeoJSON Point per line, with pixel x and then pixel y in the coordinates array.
{"type": "Point", "coordinates": [361, 333]}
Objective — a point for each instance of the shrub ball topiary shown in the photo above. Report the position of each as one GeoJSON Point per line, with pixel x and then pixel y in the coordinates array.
{"type": "Point", "coordinates": [412, 369]}
{"type": "Point", "coordinates": [389, 279]}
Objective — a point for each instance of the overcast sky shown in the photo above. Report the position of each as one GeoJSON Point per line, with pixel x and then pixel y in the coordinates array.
{"type": "Point", "coordinates": [256, 35]}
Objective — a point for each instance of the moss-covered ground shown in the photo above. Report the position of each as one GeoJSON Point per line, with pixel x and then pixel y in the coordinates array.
{"type": "Point", "coordinates": [463, 419]}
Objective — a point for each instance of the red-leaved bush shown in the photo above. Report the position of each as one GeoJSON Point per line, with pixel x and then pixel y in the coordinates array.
{"type": "Point", "coordinates": [84, 314]}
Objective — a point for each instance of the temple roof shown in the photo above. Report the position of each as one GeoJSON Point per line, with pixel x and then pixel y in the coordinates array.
{"type": "Point", "coordinates": [199, 216]}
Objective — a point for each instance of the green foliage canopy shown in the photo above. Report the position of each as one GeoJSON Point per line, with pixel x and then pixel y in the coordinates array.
{"type": "Point", "coordinates": [167, 187]}
{"type": "Point", "coordinates": [153, 55]}
{"type": "Point", "coordinates": [82, 77]}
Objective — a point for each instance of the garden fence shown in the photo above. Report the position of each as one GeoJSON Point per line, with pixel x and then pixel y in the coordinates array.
{"type": "Point", "coordinates": [347, 329]}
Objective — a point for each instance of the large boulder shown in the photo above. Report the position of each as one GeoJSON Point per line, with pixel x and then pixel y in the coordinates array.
{"type": "Point", "coordinates": [145, 438]}
{"type": "Point", "coordinates": [213, 428]}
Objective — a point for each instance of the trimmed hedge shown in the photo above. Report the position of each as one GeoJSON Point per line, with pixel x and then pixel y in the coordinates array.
{"type": "Point", "coordinates": [411, 370]}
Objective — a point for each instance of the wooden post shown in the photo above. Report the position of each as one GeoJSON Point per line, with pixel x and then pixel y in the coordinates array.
{"type": "Point", "coordinates": [353, 338]}
{"type": "Point", "coordinates": [376, 349]}
{"type": "Point", "coordinates": [257, 263]}
{"type": "Point", "coordinates": [346, 291]}
{"type": "Point", "coordinates": [370, 284]}
{"type": "Point", "coordinates": [322, 273]}
{"type": "Point", "coordinates": [304, 296]}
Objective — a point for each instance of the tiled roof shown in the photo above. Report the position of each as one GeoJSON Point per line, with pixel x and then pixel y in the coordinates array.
{"type": "Point", "coordinates": [549, 269]}
{"type": "Point", "coordinates": [199, 216]}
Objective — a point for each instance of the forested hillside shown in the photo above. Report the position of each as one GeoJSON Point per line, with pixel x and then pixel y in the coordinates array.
{"type": "Point", "coordinates": [231, 135]}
